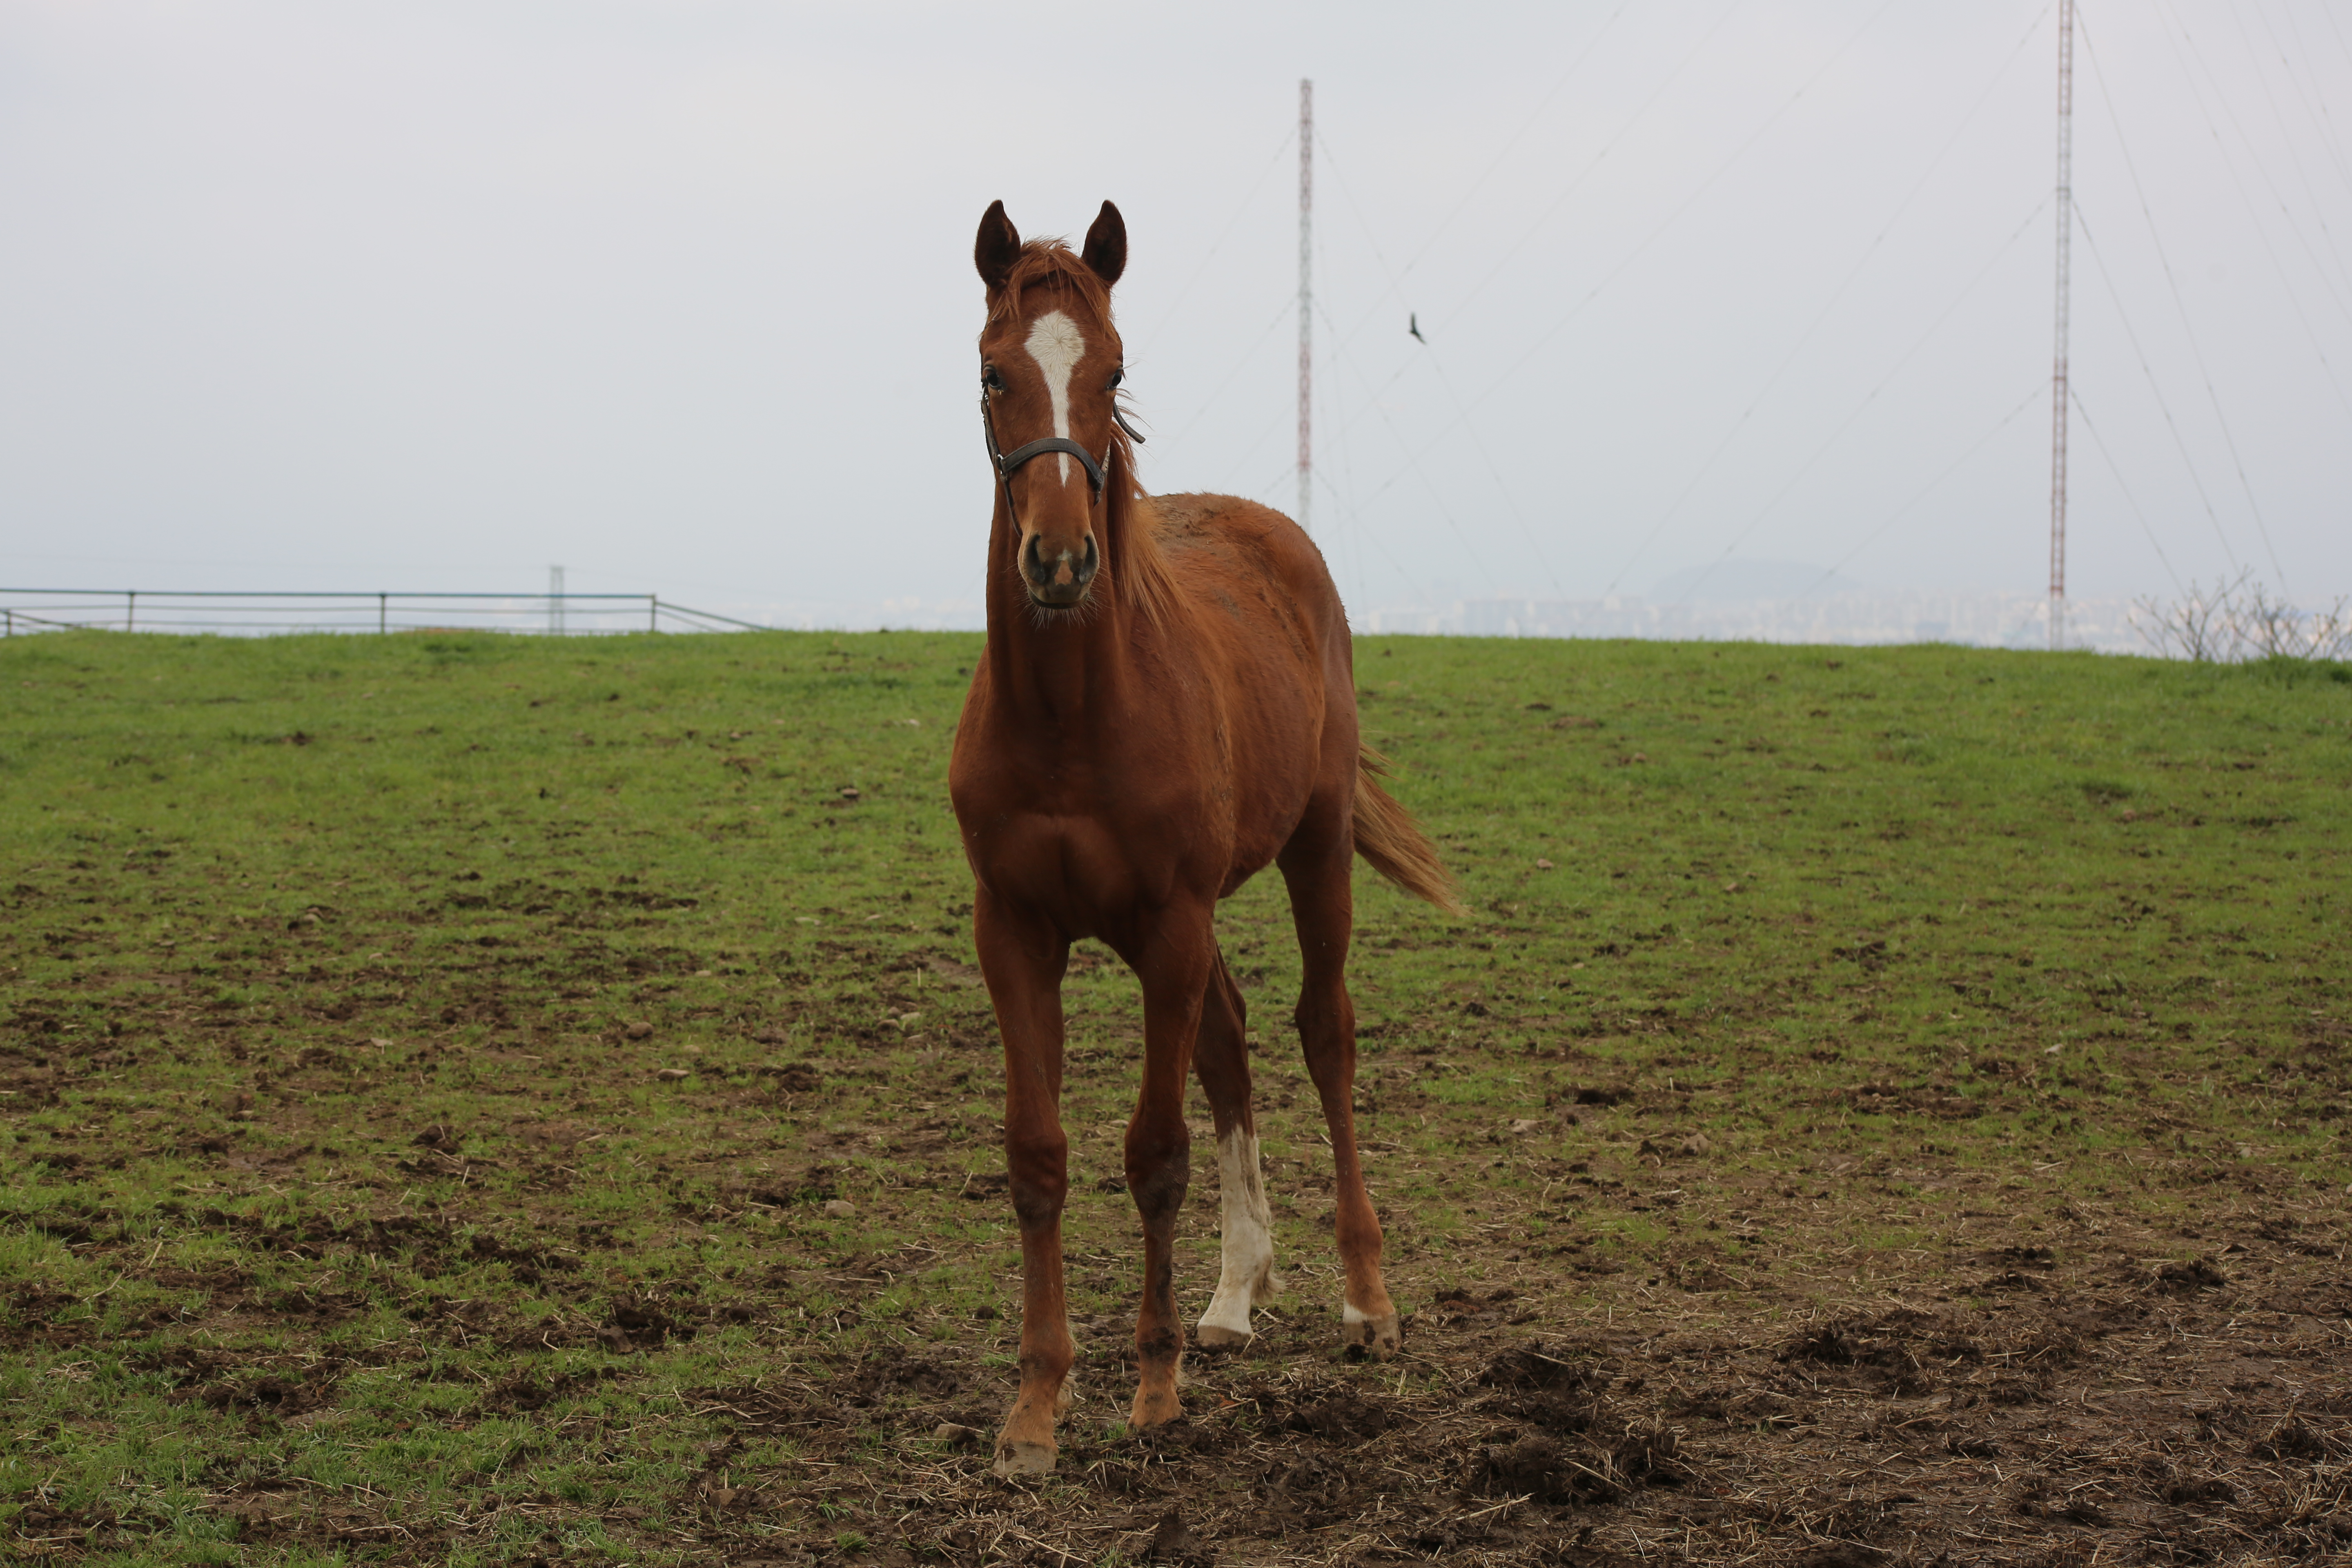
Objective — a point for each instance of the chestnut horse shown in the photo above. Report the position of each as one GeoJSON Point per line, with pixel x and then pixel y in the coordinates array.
{"type": "Point", "coordinates": [1166, 705]}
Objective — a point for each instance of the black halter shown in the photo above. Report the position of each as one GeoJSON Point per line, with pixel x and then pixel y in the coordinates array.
{"type": "Point", "coordinates": [1006, 462]}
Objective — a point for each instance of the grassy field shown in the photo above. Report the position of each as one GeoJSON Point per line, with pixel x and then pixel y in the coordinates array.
{"type": "Point", "coordinates": [484, 1100]}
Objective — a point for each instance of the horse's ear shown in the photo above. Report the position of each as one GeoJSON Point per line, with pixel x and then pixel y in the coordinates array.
{"type": "Point", "coordinates": [1105, 249]}
{"type": "Point", "coordinates": [998, 247]}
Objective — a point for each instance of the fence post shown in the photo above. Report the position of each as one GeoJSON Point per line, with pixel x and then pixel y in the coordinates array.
{"type": "Point", "coordinates": [380, 599]}
{"type": "Point", "coordinates": [131, 609]}
{"type": "Point", "coordinates": [653, 612]}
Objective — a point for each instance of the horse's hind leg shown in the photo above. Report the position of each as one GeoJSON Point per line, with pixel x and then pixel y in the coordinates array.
{"type": "Point", "coordinates": [1222, 1059]}
{"type": "Point", "coordinates": [1315, 864]}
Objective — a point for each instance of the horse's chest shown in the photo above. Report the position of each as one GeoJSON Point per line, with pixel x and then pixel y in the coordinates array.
{"type": "Point", "coordinates": [1091, 829]}
{"type": "Point", "coordinates": [1079, 866]}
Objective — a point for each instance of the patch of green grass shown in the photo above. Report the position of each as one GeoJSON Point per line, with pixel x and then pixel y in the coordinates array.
{"type": "Point", "coordinates": [428, 1060]}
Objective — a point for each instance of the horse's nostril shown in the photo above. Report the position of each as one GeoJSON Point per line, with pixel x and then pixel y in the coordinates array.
{"type": "Point", "coordinates": [1062, 566]}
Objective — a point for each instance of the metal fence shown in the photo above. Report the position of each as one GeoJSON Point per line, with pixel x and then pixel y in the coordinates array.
{"type": "Point", "coordinates": [23, 611]}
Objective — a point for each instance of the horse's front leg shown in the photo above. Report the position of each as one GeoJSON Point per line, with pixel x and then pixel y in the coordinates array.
{"type": "Point", "coordinates": [1023, 960]}
{"type": "Point", "coordinates": [1174, 965]}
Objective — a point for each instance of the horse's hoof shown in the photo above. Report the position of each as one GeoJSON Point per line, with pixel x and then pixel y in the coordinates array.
{"type": "Point", "coordinates": [1379, 1338]}
{"type": "Point", "coordinates": [1155, 1407]}
{"type": "Point", "coordinates": [1017, 1459]}
{"type": "Point", "coordinates": [1212, 1336]}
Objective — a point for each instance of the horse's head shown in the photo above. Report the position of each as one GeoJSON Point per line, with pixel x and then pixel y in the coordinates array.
{"type": "Point", "coordinates": [1049, 371]}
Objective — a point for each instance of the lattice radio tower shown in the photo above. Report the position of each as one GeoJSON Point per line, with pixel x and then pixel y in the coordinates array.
{"type": "Point", "coordinates": [2058, 367]}
{"type": "Point", "coordinates": [1307, 295]}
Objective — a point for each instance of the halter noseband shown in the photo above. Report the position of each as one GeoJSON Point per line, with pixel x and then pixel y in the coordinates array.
{"type": "Point", "coordinates": [1006, 462]}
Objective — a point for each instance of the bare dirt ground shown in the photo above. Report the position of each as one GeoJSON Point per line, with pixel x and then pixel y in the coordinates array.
{"type": "Point", "coordinates": [2049, 1386]}
{"type": "Point", "coordinates": [2047, 1380]}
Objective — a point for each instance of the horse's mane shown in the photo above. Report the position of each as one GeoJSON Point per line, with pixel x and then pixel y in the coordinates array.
{"type": "Point", "coordinates": [1135, 565]}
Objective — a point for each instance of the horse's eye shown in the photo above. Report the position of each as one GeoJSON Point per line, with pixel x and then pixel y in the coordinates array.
{"type": "Point", "coordinates": [1116, 377]}
{"type": "Point", "coordinates": [990, 379]}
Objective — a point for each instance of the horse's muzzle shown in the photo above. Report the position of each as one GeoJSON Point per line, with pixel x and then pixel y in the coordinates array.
{"type": "Point", "coordinates": [1057, 579]}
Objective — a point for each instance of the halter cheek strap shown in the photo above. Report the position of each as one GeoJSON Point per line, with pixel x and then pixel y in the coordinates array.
{"type": "Point", "coordinates": [1006, 462]}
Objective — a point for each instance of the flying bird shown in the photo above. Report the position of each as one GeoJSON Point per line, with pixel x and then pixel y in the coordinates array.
{"type": "Point", "coordinates": [1413, 325]}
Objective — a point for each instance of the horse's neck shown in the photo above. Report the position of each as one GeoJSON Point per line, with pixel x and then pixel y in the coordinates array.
{"type": "Point", "coordinates": [1052, 670]}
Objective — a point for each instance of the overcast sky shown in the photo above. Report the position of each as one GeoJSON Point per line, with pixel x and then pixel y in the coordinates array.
{"type": "Point", "coordinates": [680, 295]}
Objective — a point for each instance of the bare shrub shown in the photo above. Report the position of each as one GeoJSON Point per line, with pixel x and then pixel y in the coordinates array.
{"type": "Point", "coordinates": [2238, 619]}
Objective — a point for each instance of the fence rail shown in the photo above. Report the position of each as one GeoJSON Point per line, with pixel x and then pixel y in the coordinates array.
{"type": "Point", "coordinates": [24, 611]}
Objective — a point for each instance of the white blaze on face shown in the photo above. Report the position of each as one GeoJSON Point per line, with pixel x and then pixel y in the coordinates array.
{"type": "Point", "coordinates": [1058, 346]}
{"type": "Point", "coordinates": [1247, 1277]}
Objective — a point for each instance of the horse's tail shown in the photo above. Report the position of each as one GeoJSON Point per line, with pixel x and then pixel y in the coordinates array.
{"type": "Point", "coordinates": [1388, 837]}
